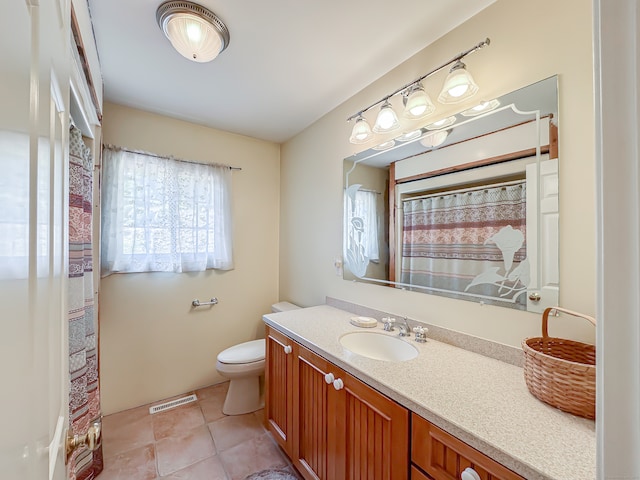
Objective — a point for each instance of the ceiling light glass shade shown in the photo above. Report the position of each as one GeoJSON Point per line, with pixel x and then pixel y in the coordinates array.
{"type": "Point", "coordinates": [387, 119]}
{"type": "Point", "coordinates": [481, 108]}
{"type": "Point", "coordinates": [434, 139]}
{"type": "Point", "coordinates": [458, 86]}
{"type": "Point", "coordinates": [361, 131]}
{"type": "Point", "coordinates": [195, 32]}
{"type": "Point", "coordinates": [445, 122]}
{"type": "Point", "coordinates": [405, 137]}
{"type": "Point", "coordinates": [417, 103]}
{"type": "Point", "coordinates": [385, 145]}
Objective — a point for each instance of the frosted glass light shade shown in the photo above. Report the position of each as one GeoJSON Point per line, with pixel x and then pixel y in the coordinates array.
{"type": "Point", "coordinates": [481, 108]}
{"type": "Point", "coordinates": [361, 131]}
{"type": "Point", "coordinates": [434, 139]}
{"type": "Point", "coordinates": [387, 119]}
{"type": "Point", "coordinates": [385, 145]}
{"type": "Point", "coordinates": [445, 122]}
{"type": "Point", "coordinates": [195, 32]}
{"type": "Point", "coordinates": [417, 103]}
{"type": "Point", "coordinates": [458, 86]}
{"type": "Point", "coordinates": [408, 136]}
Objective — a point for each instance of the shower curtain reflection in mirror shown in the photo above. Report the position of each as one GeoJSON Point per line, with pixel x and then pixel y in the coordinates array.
{"type": "Point", "coordinates": [470, 242]}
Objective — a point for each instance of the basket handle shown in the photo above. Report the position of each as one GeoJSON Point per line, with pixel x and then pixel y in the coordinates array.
{"type": "Point", "coordinates": [547, 311]}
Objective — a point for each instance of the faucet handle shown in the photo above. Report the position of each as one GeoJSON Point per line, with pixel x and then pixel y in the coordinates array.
{"type": "Point", "coordinates": [388, 323]}
{"type": "Point", "coordinates": [421, 333]}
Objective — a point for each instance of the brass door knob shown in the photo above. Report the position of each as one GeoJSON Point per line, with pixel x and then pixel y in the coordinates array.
{"type": "Point", "coordinates": [535, 297]}
{"type": "Point", "coordinates": [90, 440]}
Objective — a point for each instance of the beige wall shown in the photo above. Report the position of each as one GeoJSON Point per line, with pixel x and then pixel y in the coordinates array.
{"type": "Point", "coordinates": [529, 41]}
{"type": "Point", "coordinates": [152, 343]}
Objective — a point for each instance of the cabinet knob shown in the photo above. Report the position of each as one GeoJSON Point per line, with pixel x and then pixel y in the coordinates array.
{"type": "Point", "coordinates": [338, 384]}
{"type": "Point", "coordinates": [288, 349]}
{"type": "Point", "coordinates": [329, 378]}
{"type": "Point", "coordinates": [469, 474]}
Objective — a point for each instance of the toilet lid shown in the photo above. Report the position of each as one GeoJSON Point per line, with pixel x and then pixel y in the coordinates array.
{"type": "Point", "coordinates": [246, 352]}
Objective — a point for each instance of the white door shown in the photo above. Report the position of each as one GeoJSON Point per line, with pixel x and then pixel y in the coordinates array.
{"type": "Point", "coordinates": [543, 237]}
{"type": "Point", "coordinates": [34, 98]}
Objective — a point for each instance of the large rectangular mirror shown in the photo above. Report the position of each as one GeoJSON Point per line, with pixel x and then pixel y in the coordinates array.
{"type": "Point", "coordinates": [466, 207]}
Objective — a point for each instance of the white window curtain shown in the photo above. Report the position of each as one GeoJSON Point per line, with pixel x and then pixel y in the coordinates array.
{"type": "Point", "coordinates": [362, 222]}
{"type": "Point", "coordinates": [164, 215]}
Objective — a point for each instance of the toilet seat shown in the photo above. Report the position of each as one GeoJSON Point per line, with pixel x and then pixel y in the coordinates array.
{"type": "Point", "coordinates": [247, 352]}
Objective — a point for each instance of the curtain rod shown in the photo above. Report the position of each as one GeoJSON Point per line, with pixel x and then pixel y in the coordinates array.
{"type": "Point", "coordinates": [169, 157]}
{"type": "Point", "coordinates": [462, 191]}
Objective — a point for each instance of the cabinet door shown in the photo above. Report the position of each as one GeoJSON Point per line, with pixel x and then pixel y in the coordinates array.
{"type": "Point", "coordinates": [444, 457]}
{"type": "Point", "coordinates": [311, 448]}
{"type": "Point", "coordinates": [279, 388]}
{"type": "Point", "coordinates": [418, 475]}
{"type": "Point", "coordinates": [370, 433]}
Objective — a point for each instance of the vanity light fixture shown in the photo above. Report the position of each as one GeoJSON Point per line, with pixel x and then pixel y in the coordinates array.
{"type": "Point", "coordinates": [444, 123]}
{"type": "Point", "coordinates": [481, 108]}
{"type": "Point", "coordinates": [387, 119]}
{"type": "Point", "coordinates": [459, 86]}
{"type": "Point", "coordinates": [194, 31]}
{"type": "Point", "coordinates": [361, 131]}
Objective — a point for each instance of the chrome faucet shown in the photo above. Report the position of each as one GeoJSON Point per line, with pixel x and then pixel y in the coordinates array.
{"type": "Point", "coordinates": [405, 330]}
{"type": "Point", "coordinates": [387, 324]}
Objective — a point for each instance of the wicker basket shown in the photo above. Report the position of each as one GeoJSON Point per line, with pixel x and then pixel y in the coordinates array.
{"type": "Point", "coordinates": [561, 372]}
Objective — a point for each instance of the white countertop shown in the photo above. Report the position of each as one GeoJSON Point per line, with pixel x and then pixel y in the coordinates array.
{"type": "Point", "coordinates": [478, 399]}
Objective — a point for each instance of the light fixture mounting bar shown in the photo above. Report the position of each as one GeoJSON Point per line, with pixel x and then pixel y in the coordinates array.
{"type": "Point", "coordinates": [460, 56]}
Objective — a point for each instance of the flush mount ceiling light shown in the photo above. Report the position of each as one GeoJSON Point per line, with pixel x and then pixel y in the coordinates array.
{"type": "Point", "coordinates": [459, 86]}
{"type": "Point", "coordinates": [361, 131]}
{"type": "Point", "coordinates": [434, 139]}
{"type": "Point", "coordinates": [194, 31]}
{"type": "Point", "coordinates": [481, 108]}
{"type": "Point", "coordinates": [387, 119]}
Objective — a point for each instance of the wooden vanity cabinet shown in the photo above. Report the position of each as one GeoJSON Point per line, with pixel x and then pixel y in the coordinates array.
{"type": "Point", "coordinates": [444, 457]}
{"type": "Point", "coordinates": [278, 409]}
{"type": "Point", "coordinates": [340, 427]}
{"type": "Point", "coordinates": [312, 450]}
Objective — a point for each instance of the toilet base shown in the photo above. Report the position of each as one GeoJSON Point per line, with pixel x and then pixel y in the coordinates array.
{"type": "Point", "coordinates": [243, 396]}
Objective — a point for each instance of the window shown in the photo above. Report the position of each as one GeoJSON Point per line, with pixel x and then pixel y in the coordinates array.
{"type": "Point", "coordinates": [164, 215]}
{"type": "Point", "coordinates": [361, 229]}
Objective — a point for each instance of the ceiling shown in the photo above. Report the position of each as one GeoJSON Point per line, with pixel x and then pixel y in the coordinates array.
{"type": "Point", "coordinates": [288, 63]}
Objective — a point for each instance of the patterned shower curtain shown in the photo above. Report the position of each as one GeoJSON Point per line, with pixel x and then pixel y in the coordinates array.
{"type": "Point", "coordinates": [84, 394]}
{"type": "Point", "coordinates": [468, 244]}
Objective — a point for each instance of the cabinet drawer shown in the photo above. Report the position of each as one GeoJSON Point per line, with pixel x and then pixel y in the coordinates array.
{"type": "Point", "coordinates": [444, 457]}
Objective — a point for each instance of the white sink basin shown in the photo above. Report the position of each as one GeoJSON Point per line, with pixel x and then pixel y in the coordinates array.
{"type": "Point", "coordinates": [378, 346]}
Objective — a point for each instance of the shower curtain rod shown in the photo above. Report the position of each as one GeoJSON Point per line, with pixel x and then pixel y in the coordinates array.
{"type": "Point", "coordinates": [170, 157]}
{"type": "Point", "coordinates": [465, 190]}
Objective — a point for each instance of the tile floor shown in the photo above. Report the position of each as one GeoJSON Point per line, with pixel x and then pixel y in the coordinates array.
{"type": "Point", "coordinates": [195, 441]}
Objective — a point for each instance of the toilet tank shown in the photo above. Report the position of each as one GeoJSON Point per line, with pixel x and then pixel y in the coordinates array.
{"type": "Point", "coordinates": [283, 307]}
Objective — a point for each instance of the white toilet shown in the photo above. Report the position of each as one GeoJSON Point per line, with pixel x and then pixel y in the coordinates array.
{"type": "Point", "coordinates": [243, 364]}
